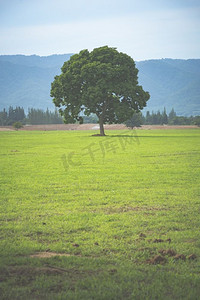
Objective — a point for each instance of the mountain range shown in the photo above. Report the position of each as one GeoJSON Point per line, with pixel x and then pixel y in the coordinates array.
{"type": "Point", "coordinates": [172, 83]}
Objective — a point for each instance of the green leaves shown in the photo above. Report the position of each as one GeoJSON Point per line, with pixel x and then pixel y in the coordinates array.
{"type": "Point", "coordinates": [103, 82]}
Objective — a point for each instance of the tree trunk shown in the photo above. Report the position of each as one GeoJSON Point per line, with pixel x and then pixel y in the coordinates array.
{"type": "Point", "coordinates": [101, 126]}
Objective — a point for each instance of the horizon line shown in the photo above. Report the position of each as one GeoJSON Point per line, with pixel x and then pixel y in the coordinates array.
{"type": "Point", "coordinates": [29, 55]}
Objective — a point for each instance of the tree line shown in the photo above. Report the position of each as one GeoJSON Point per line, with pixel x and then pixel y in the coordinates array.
{"type": "Point", "coordinates": [33, 117]}
{"type": "Point", "coordinates": [40, 117]}
{"type": "Point", "coordinates": [161, 118]}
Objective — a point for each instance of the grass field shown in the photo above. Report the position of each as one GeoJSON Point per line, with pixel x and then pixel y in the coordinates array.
{"type": "Point", "coordinates": [85, 217]}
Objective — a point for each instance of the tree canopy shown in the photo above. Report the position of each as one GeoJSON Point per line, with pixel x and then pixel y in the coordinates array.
{"type": "Point", "coordinates": [103, 82]}
{"type": "Point", "coordinates": [17, 125]}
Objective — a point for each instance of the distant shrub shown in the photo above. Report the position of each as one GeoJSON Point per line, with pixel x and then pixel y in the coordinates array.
{"type": "Point", "coordinates": [17, 125]}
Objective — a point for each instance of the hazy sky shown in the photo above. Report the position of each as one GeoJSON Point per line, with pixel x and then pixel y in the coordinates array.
{"type": "Point", "coordinates": [144, 29]}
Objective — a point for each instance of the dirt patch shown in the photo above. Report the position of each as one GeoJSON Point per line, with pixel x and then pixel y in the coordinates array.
{"type": "Point", "coordinates": [161, 257]}
{"type": "Point", "coordinates": [192, 256]}
{"type": "Point", "coordinates": [142, 235]}
{"type": "Point", "coordinates": [150, 127]}
{"type": "Point", "coordinates": [158, 241]}
{"type": "Point", "coordinates": [158, 259]}
{"type": "Point", "coordinates": [169, 252]}
{"type": "Point", "coordinates": [50, 254]}
{"type": "Point", "coordinates": [52, 127]}
{"type": "Point", "coordinates": [179, 256]}
{"type": "Point", "coordinates": [6, 128]}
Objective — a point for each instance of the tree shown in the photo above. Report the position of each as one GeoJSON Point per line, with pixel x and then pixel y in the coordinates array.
{"type": "Point", "coordinates": [17, 125]}
{"type": "Point", "coordinates": [164, 117]}
{"type": "Point", "coordinates": [103, 82]}
{"type": "Point", "coordinates": [135, 120]}
{"type": "Point", "coordinates": [3, 117]}
{"type": "Point", "coordinates": [172, 116]}
{"type": "Point", "coordinates": [148, 119]}
{"type": "Point", "coordinates": [15, 114]}
{"type": "Point", "coordinates": [197, 120]}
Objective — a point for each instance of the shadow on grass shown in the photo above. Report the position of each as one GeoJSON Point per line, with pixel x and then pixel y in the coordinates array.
{"type": "Point", "coordinates": [152, 136]}
{"type": "Point", "coordinates": [120, 135]}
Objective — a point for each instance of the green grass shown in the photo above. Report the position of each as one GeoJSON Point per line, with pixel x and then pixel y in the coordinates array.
{"type": "Point", "coordinates": [91, 197]}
